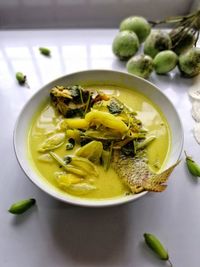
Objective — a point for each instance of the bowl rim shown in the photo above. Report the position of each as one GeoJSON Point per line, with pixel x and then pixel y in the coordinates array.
{"type": "Point", "coordinates": [92, 203]}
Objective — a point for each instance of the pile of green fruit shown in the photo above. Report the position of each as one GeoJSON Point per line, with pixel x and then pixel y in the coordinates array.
{"type": "Point", "coordinates": [162, 51]}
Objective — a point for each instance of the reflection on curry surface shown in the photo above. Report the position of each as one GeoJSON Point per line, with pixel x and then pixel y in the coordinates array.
{"type": "Point", "coordinates": [100, 142]}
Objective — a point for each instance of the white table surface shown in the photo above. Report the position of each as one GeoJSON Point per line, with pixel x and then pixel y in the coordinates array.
{"type": "Point", "coordinates": [53, 234]}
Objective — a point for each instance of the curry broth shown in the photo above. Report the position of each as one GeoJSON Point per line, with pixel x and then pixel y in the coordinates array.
{"type": "Point", "coordinates": [108, 183]}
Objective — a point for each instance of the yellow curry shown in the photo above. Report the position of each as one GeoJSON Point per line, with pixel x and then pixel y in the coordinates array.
{"type": "Point", "coordinates": [99, 141]}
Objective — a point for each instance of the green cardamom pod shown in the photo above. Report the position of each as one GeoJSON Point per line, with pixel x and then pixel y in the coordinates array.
{"type": "Point", "coordinates": [192, 166]}
{"type": "Point", "coordinates": [21, 206]}
{"type": "Point", "coordinates": [45, 51]}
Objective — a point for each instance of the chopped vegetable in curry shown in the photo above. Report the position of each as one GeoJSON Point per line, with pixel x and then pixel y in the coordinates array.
{"type": "Point", "coordinates": [97, 135]}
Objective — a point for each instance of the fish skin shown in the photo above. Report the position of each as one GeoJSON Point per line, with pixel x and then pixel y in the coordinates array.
{"type": "Point", "coordinates": [138, 177]}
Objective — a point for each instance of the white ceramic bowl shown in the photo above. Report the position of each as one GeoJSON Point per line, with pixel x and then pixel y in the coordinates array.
{"type": "Point", "coordinates": [94, 77]}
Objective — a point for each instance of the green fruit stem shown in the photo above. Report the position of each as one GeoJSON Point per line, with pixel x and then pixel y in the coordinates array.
{"type": "Point", "coordinates": [190, 22]}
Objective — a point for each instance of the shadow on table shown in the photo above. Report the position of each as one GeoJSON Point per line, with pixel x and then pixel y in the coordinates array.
{"type": "Point", "coordinates": [20, 220]}
{"type": "Point", "coordinates": [91, 236]}
{"type": "Point", "coordinates": [174, 79]}
{"type": "Point", "coordinates": [119, 64]}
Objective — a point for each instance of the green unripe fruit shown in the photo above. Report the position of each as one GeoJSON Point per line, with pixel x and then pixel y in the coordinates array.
{"type": "Point", "coordinates": [165, 61]}
{"type": "Point", "coordinates": [22, 206]}
{"type": "Point", "coordinates": [140, 65]}
{"type": "Point", "coordinates": [156, 42]}
{"type": "Point", "coordinates": [189, 63]}
{"type": "Point", "coordinates": [154, 243]}
{"type": "Point", "coordinates": [182, 40]}
{"type": "Point", "coordinates": [20, 77]}
{"type": "Point", "coordinates": [193, 167]}
{"type": "Point", "coordinates": [45, 51]}
{"type": "Point", "coordinates": [125, 45]}
{"type": "Point", "coordinates": [139, 25]}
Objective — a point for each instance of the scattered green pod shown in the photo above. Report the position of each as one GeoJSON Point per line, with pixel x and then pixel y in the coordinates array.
{"type": "Point", "coordinates": [22, 206]}
{"type": "Point", "coordinates": [156, 42]}
{"type": "Point", "coordinates": [125, 44]}
{"type": "Point", "coordinates": [192, 166]}
{"type": "Point", "coordinates": [45, 51]}
{"type": "Point", "coordinates": [154, 244]}
{"type": "Point", "coordinates": [189, 62]}
{"type": "Point", "coordinates": [182, 40]}
{"type": "Point", "coordinates": [165, 61]}
{"type": "Point", "coordinates": [139, 25]}
{"type": "Point", "coordinates": [21, 78]}
{"type": "Point", "coordinates": [140, 65]}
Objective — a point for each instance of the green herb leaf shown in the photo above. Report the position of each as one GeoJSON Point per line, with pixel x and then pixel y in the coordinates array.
{"type": "Point", "coordinates": [115, 107]}
{"type": "Point", "coordinates": [45, 51]}
{"type": "Point", "coordinates": [22, 206]}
